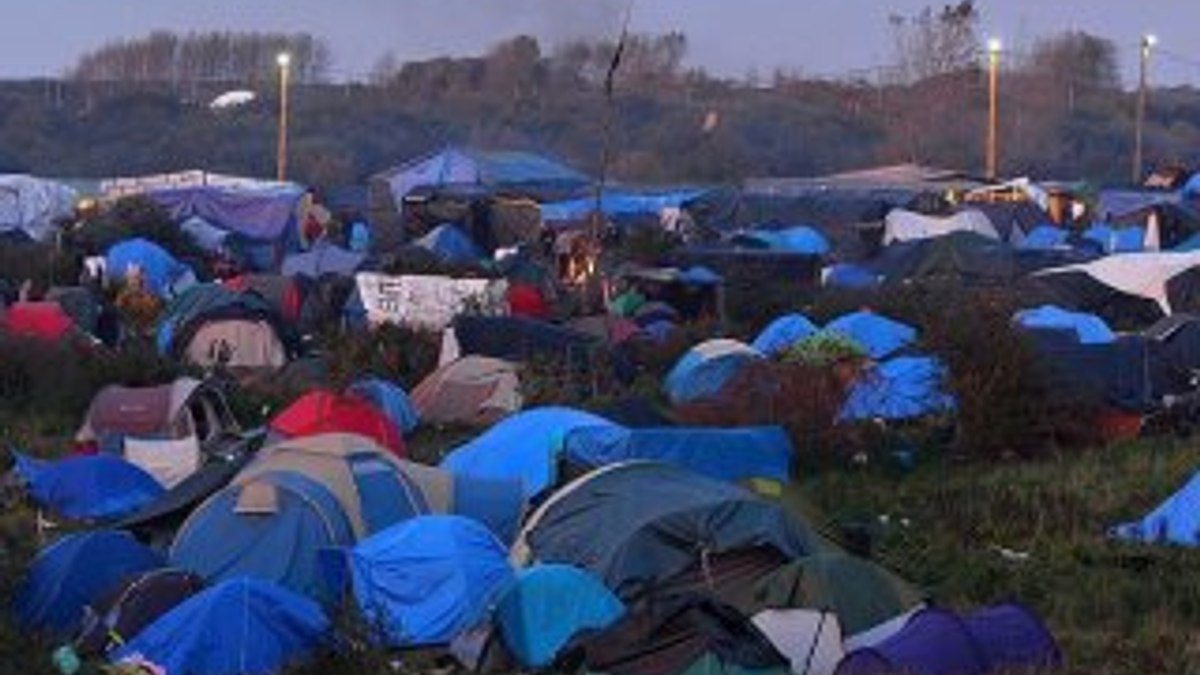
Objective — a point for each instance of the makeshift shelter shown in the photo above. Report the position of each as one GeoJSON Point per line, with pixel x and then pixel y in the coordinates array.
{"type": "Point", "coordinates": [98, 487]}
{"type": "Point", "coordinates": [239, 626]}
{"type": "Point", "coordinates": [269, 528]}
{"type": "Point", "coordinates": [523, 447]}
{"type": "Point", "coordinates": [451, 245]}
{"type": "Point", "coordinates": [636, 525]}
{"type": "Point", "coordinates": [75, 572]}
{"type": "Point", "coordinates": [1078, 291]}
{"type": "Point", "coordinates": [324, 258]}
{"type": "Point", "coordinates": [802, 239]}
{"type": "Point", "coordinates": [373, 488]}
{"type": "Point", "coordinates": [936, 641]}
{"type": "Point", "coordinates": [878, 335]}
{"type": "Point", "coordinates": [1112, 240]}
{"type": "Point", "coordinates": [1143, 275]}
{"type": "Point", "coordinates": [427, 580]}
{"type": "Point", "coordinates": [731, 455]}
{"type": "Point", "coordinates": [32, 207]}
{"type": "Point", "coordinates": [165, 430]}
{"type": "Point", "coordinates": [963, 257]}
{"type": "Point", "coordinates": [207, 237]}
{"type": "Point", "coordinates": [161, 273]}
{"type": "Point", "coordinates": [210, 325]}
{"type": "Point", "coordinates": [622, 206]}
{"type": "Point", "coordinates": [1175, 341]}
{"type": "Point", "coordinates": [784, 332]}
{"type": "Point", "coordinates": [1175, 521]}
{"type": "Point", "coordinates": [39, 321]}
{"type": "Point", "coordinates": [1080, 326]}
{"type": "Point", "coordinates": [137, 603]}
{"type": "Point", "coordinates": [520, 339]}
{"type": "Point", "coordinates": [905, 387]}
{"type": "Point", "coordinates": [706, 368]}
{"type": "Point", "coordinates": [849, 275]}
{"type": "Point", "coordinates": [902, 225]}
{"type": "Point", "coordinates": [547, 607]}
{"type": "Point", "coordinates": [473, 390]}
{"type": "Point", "coordinates": [322, 412]}
{"type": "Point", "coordinates": [1046, 238]}
{"type": "Point", "coordinates": [389, 399]}
{"type": "Point", "coordinates": [519, 172]}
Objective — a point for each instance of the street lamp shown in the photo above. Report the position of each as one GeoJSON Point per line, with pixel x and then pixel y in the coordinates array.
{"type": "Point", "coordinates": [994, 46]}
{"type": "Point", "coordinates": [284, 61]}
{"type": "Point", "coordinates": [1149, 41]}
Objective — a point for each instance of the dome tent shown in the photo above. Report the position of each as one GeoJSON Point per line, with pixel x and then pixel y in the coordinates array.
{"type": "Point", "coordinates": [706, 368]}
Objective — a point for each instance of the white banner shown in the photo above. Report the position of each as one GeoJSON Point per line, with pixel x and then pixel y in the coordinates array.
{"type": "Point", "coordinates": [429, 302]}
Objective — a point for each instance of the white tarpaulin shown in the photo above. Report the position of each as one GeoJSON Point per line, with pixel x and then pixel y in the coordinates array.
{"type": "Point", "coordinates": [1142, 274]}
{"type": "Point", "coordinates": [429, 302]}
{"type": "Point", "coordinates": [902, 225]}
{"type": "Point", "coordinates": [32, 205]}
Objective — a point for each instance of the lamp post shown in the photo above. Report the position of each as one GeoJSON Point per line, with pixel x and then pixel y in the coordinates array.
{"type": "Point", "coordinates": [1148, 43]}
{"type": "Point", "coordinates": [993, 137]}
{"type": "Point", "coordinates": [284, 61]}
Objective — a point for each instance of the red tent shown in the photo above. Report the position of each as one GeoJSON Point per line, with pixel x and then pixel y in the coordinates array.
{"type": "Point", "coordinates": [527, 300]}
{"type": "Point", "coordinates": [324, 412]}
{"type": "Point", "coordinates": [41, 320]}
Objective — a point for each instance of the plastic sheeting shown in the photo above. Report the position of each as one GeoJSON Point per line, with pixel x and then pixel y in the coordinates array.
{"type": "Point", "coordinates": [802, 239]}
{"type": "Point", "coordinates": [450, 244]}
{"type": "Point", "coordinates": [323, 258]}
{"type": "Point", "coordinates": [724, 454]}
{"type": "Point", "coordinates": [164, 276]}
{"type": "Point", "coordinates": [905, 387]}
{"type": "Point", "coordinates": [1175, 521]}
{"type": "Point", "coordinates": [902, 225]}
{"type": "Point", "coordinates": [266, 213]}
{"type": "Point", "coordinates": [33, 206]}
{"type": "Point", "coordinates": [1085, 328]}
{"type": "Point", "coordinates": [879, 335]}
{"type": "Point", "coordinates": [239, 626]}
{"type": "Point", "coordinates": [469, 167]}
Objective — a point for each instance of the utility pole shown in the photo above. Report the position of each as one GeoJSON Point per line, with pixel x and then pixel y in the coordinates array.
{"type": "Point", "coordinates": [1148, 43]}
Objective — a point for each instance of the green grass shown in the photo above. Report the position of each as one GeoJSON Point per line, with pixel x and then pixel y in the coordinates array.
{"type": "Point", "coordinates": [1115, 608]}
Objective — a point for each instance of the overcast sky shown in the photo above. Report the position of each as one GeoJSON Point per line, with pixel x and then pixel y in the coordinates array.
{"type": "Point", "coordinates": [730, 37]}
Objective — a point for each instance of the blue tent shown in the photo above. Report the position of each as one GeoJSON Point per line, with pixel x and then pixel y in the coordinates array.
{"type": "Point", "coordinates": [706, 368]}
{"type": "Point", "coordinates": [784, 332]}
{"type": "Point", "coordinates": [1116, 240]}
{"type": "Point", "coordinates": [450, 244]}
{"type": "Point", "coordinates": [1045, 238]}
{"type": "Point", "coordinates": [160, 270]}
{"type": "Point", "coordinates": [98, 487]}
{"type": "Point", "coordinates": [74, 572]}
{"type": "Point", "coordinates": [524, 447]}
{"type": "Point", "coordinates": [549, 605]}
{"type": "Point", "coordinates": [879, 335]}
{"type": "Point", "coordinates": [323, 258]}
{"type": "Point", "coordinates": [905, 387]}
{"type": "Point", "coordinates": [498, 504]}
{"type": "Point", "coordinates": [429, 579]}
{"type": "Point", "coordinates": [270, 528]}
{"type": "Point", "coordinates": [1087, 329]}
{"type": "Point", "coordinates": [724, 454]}
{"type": "Point", "coordinates": [238, 627]}
{"type": "Point", "coordinates": [1175, 521]}
{"type": "Point", "coordinates": [847, 275]}
{"type": "Point", "coordinates": [390, 399]}
{"type": "Point", "coordinates": [802, 239]}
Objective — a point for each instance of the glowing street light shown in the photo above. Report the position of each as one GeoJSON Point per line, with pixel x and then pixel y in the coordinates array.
{"type": "Point", "coordinates": [994, 47]}
{"type": "Point", "coordinates": [284, 61]}
{"type": "Point", "coordinates": [1149, 42]}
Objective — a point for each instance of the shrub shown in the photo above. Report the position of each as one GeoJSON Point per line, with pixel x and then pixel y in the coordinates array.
{"type": "Point", "coordinates": [395, 353]}
{"type": "Point", "coordinates": [128, 218]}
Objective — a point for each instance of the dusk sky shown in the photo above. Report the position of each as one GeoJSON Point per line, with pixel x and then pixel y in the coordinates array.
{"type": "Point", "coordinates": [730, 37]}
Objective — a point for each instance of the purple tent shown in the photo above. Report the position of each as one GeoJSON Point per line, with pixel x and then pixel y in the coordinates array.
{"type": "Point", "coordinates": [939, 642]}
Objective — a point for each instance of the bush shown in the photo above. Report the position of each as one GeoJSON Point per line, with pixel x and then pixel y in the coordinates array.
{"type": "Point", "coordinates": [128, 218]}
{"type": "Point", "coordinates": [402, 355]}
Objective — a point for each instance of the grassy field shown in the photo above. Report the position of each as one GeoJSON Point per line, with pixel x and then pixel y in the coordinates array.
{"type": "Point", "coordinates": [969, 535]}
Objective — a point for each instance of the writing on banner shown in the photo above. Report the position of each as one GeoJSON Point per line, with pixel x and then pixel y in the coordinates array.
{"type": "Point", "coordinates": [428, 302]}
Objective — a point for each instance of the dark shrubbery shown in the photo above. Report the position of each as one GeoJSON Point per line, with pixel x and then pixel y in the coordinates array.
{"type": "Point", "coordinates": [129, 218]}
{"type": "Point", "coordinates": [402, 355]}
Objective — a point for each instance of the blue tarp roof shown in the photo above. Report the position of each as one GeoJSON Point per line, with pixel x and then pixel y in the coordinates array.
{"type": "Point", "coordinates": [470, 167]}
{"type": "Point", "coordinates": [160, 270]}
{"type": "Point", "coordinates": [74, 572]}
{"type": "Point", "coordinates": [782, 333]}
{"type": "Point", "coordinates": [549, 605]}
{"type": "Point", "coordinates": [429, 579]}
{"type": "Point", "coordinates": [450, 244]}
{"type": "Point", "coordinates": [390, 399]}
{"type": "Point", "coordinates": [879, 335]}
{"type": "Point", "coordinates": [619, 204]}
{"type": "Point", "coordinates": [523, 447]}
{"type": "Point", "coordinates": [98, 487]}
{"type": "Point", "coordinates": [275, 541]}
{"type": "Point", "coordinates": [1175, 521]}
{"type": "Point", "coordinates": [240, 626]}
{"type": "Point", "coordinates": [725, 454]}
{"type": "Point", "coordinates": [1085, 328]}
{"type": "Point", "coordinates": [905, 387]}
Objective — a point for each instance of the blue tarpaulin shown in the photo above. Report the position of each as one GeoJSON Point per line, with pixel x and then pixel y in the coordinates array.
{"type": "Point", "coordinates": [905, 387]}
{"type": "Point", "coordinates": [1084, 328]}
{"type": "Point", "coordinates": [1175, 521]}
{"type": "Point", "coordinates": [800, 239]}
{"type": "Point", "coordinates": [549, 605]}
{"type": "Point", "coordinates": [259, 214]}
{"type": "Point", "coordinates": [74, 572]}
{"type": "Point", "coordinates": [848, 275]}
{"type": "Point", "coordinates": [240, 626]}
{"type": "Point", "coordinates": [450, 244]}
{"type": "Point", "coordinates": [782, 333]}
{"type": "Point", "coordinates": [323, 258]}
{"type": "Point", "coordinates": [426, 580]}
{"type": "Point", "coordinates": [98, 487]}
{"type": "Point", "coordinates": [618, 204]}
{"type": "Point", "coordinates": [160, 270]}
{"type": "Point", "coordinates": [1045, 238]}
{"type": "Point", "coordinates": [879, 335]}
{"type": "Point", "coordinates": [522, 447]}
{"type": "Point", "coordinates": [469, 167]}
{"type": "Point", "coordinates": [725, 454]}
{"type": "Point", "coordinates": [1116, 240]}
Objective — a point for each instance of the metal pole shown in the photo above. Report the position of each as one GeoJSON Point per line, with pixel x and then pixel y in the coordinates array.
{"type": "Point", "coordinates": [993, 109]}
{"type": "Point", "coordinates": [281, 157]}
{"type": "Point", "coordinates": [1136, 173]}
